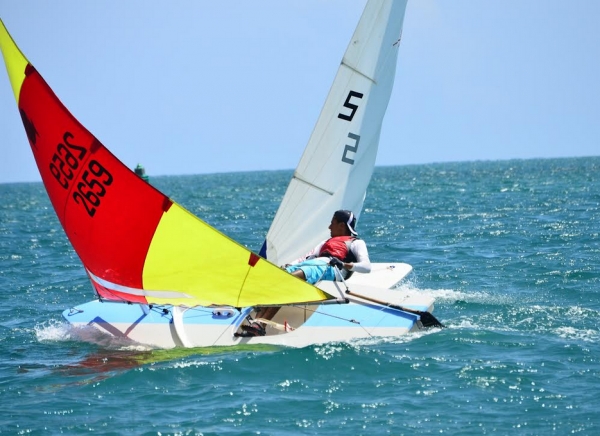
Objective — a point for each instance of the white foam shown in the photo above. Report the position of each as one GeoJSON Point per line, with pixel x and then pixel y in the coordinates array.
{"type": "Point", "coordinates": [53, 331]}
{"type": "Point", "coordinates": [586, 335]}
{"type": "Point", "coordinates": [61, 331]}
{"type": "Point", "coordinates": [452, 295]}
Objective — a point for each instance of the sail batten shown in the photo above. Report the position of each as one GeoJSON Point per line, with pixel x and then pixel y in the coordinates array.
{"type": "Point", "coordinates": [350, 67]}
{"type": "Point", "coordinates": [307, 182]}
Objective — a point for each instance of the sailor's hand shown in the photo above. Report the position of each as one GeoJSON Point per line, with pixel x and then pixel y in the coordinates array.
{"type": "Point", "coordinates": [335, 262]}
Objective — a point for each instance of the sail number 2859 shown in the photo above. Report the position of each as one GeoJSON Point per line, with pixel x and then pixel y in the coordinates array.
{"type": "Point", "coordinates": [91, 186]}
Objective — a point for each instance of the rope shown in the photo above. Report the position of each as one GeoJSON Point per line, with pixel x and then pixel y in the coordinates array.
{"type": "Point", "coordinates": [327, 314]}
{"type": "Point", "coordinates": [337, 317]}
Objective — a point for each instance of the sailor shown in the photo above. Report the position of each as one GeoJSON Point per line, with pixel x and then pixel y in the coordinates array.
{"type": "Point", "coordinates": [343, 253]}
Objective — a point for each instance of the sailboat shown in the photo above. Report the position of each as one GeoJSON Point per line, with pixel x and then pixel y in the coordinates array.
{"type": "Point", "coordinates": [165, 278]}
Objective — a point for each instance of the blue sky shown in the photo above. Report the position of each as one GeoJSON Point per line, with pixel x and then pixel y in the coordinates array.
{"type": "Point", "coordinates": [192, 87]}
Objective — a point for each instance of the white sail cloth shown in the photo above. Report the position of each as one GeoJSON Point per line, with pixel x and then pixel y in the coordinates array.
{"type": "Point", "coordinates": [337, 164]}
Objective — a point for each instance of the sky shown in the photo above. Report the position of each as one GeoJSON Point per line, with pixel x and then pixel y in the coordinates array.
{"type": "Point", "coordinates": [192, 87]}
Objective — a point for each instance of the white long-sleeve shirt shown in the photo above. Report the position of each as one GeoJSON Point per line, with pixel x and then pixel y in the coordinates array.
{"type": "Point", "coordinates": [357, 247]}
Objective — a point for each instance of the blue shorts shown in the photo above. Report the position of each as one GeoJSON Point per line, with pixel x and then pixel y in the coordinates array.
{"type": "Point", "coordinates": [314, 269]}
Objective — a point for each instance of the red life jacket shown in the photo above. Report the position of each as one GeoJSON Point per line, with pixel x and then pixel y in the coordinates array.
{"type": "Point", "coordinates": [338, 246]}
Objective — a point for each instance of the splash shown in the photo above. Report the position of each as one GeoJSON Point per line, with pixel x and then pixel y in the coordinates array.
{"type": "Point", "coordinates": [572, 333]}
{"type": "Point", "coordinates": [450, 296]}
{"type": "Point", "coordinates": [53, 331]}
{"type": "Point", "coordinates": [61, 331]}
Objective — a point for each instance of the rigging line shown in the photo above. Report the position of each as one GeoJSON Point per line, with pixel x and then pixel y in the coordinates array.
{"type": "Point", "coordinates": [353, 321]}
{"type": "Point", "coordinates": [206, 310]}
{"type": "Point", "coordinates": [365, 330]}
{"type": "Point", "coordinates": [158, 308]}
{"type": "Point", "coordinates": [203, 310]}
{"type": "Point", "coordinates": [115, 296]}
{"type": "Point", "coordinates": [338, 273]}
{"type": "Point", "coordinates": [232, 325]}
{"type": "Point", "coordinates": [223, 332]}
{"type": "Point", "coordinates": [120, 299]}
{"type": "Point", "coordinates": [297, 177]}
{"type": "Point", "coordinates": [327, 314]}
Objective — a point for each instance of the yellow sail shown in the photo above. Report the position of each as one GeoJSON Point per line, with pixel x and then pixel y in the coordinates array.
{"type": "Point", "coordinates": [14, 60]}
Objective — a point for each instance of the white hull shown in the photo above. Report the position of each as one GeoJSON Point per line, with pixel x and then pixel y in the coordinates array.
{"type": "Point", "coordinates": [294, 326]}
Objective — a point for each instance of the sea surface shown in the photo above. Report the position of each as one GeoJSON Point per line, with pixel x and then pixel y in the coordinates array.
{"type": "Point", "coordinates": [509, 249]}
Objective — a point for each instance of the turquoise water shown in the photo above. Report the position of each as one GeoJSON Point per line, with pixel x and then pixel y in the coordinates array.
{"type": "Point", "coordinates": [510, 250]}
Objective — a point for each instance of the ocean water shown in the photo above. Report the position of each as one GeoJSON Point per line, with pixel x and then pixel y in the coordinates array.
{"type": "Point", "coordinates": [509, 249]}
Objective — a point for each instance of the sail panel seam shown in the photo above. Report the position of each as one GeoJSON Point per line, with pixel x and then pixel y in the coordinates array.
{"type": "Point", "coordinates": [360, 73]}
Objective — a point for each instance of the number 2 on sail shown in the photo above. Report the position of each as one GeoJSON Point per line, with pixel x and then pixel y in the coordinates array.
{"type": "Point", "coordinates": [92, 187]}
{"type": "Point", "coordinates": [64, 162]}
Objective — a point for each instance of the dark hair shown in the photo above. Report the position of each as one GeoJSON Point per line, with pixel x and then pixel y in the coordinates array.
{"type": "Point", "coordinates": [348, 218]}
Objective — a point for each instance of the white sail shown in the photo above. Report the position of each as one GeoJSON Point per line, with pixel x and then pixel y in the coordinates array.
{"type": "Point", "coordinates": [338, 161]}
